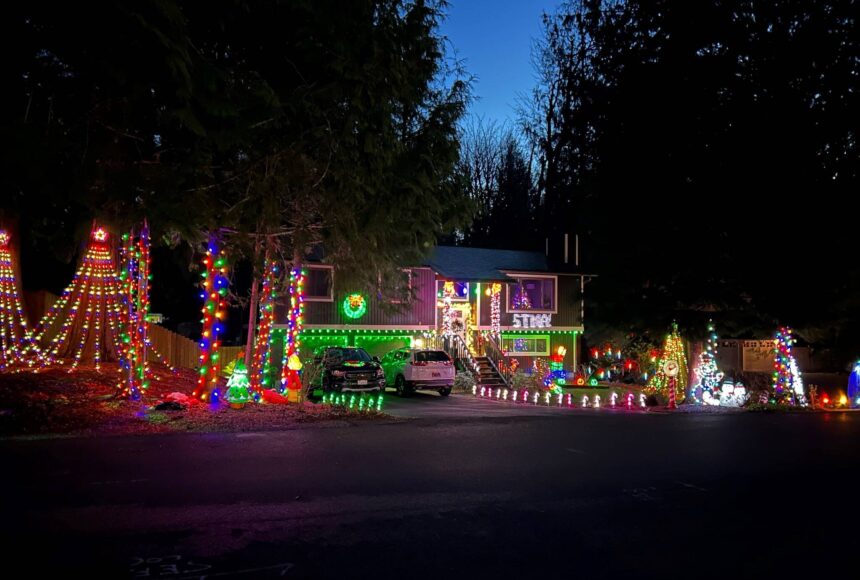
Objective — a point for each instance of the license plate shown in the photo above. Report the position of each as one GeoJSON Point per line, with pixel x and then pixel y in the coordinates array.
{"type": "Point", "coordinates": [437, 374]}
{"type": "Point", "coordinates": [362, 381]}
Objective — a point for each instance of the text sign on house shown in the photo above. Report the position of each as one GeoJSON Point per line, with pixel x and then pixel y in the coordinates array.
{"type": "Point", "coordinates": [532, 320]}
{"type": "Point", "coordinates": [758, 355]}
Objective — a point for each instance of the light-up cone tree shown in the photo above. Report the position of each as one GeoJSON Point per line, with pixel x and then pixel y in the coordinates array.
{"type": "Point", "coordinates": [787, 382]}
{"type": "Point", "coordinates": [214, 296]}
{"type": "Point", "coordinates": [708, 375]}
{"type": "Point", "coordinates": [261, 359]}
{"type": "Point", "coordinates": [84, 324]}
{"type": "Point", "coordinates": [15, 336]}
{"type": "Point", "coordinates": [673, 350]}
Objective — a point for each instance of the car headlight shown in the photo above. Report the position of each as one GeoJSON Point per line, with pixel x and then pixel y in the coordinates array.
{"type": "Point", "coordinates": [337, 373]}
{"type": "Point", "coordinates": [380, 372]}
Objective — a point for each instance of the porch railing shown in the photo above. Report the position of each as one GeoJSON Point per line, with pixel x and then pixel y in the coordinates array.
{"type": "Point", "coordinates": [494, 353]}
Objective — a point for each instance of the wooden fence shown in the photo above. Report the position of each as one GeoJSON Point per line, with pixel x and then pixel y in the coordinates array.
{"type": "Point", "coordinates": [176, 349]}
{"type": "Point", "coordinates": [184, 352]}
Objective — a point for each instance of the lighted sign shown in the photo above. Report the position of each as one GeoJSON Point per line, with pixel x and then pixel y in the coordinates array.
{"type": "Point", "coordinates": [532, 320]}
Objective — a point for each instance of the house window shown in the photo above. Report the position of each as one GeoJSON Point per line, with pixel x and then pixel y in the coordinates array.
{"type": "Point", "coordinates": [396, 288]}
{"type": "Point", "coordinates": [532, 295]}
{"type": "Point", "coordinates": [460, 290]}
{"type": "Point", "coordinates": [318, 284]}
{"type": "Point", "coordinates": [526, 345]}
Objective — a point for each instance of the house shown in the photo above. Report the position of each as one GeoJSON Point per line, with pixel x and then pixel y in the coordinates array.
{"type": "Point", "coordinates": [539, 308]}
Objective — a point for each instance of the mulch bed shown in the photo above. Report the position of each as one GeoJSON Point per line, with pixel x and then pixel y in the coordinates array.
{"type": "Point", "coordinates": [85, 402]}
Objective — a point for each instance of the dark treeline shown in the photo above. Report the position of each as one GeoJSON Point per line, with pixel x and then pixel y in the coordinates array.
{"type": "Point", "coordinates": [706, 153]}
{"type": "Point", "coordinates": [279, 125]}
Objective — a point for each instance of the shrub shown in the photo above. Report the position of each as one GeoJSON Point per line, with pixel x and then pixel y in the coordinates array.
{"type": "Point", "coordinates": [464, 381]}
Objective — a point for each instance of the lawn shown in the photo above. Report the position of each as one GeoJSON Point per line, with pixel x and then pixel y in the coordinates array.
{"type": "Point", "coordinates": [85, 402]}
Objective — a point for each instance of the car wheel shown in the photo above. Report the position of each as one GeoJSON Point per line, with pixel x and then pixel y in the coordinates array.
{"type": "Point", "coordinates": [403, 388]}
{"type": "Point", "coordinates": [445, 392]}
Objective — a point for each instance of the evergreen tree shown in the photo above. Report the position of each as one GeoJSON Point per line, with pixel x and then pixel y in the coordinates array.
{"type": "Point", "coordinates": [673, 350]}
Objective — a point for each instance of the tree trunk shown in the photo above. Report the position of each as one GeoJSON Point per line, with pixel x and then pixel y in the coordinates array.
{"type": "Point", "coordinates": [252, 316]}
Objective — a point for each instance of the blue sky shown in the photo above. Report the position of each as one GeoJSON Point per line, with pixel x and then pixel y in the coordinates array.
{"type": "Point", "coordinates": [494, 37]}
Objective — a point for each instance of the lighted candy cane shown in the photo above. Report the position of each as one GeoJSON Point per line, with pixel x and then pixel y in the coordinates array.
{"type": "Point", "coordinates": [535, 398]}
{"type": "Point", "coordinates": [505, 395]}
{"type": "Point", "coordinates": [629, 400]}
{"type": "Point", "coordinates": [514, 396]}
{"type": "Point", "coordinates": [498, 393]}
{"type": "Point", "coordinates": [584, 400]}
{"type": "Point", "coordinates": [546, 398]}
{"type": "Point", "coordinates": [483, 390]}
{"type": "Point", "coordinates": [569, 400]}
{"type": "Point", "coordinates": [560, 399]}
{"type": "Point", "coordinates": [641, 399]}
{"type": "Point", "coordinates": [525, 395]}
{"type": "Point", "coordinates": [613, 399]}
{"type": "Point", "coordinates": [596, 401]}
{"type": "Point", "coordinates": [474, 389]}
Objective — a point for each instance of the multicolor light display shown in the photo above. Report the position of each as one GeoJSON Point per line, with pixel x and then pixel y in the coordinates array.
{"type": "Point", "coordinates": [15, 336]}
{"type": "Point", "coordinates": [854, 386]}
{"type": "Point", "coordinates": [448, 293]}
{"type": "Point", "coordinates": [290, 377]}
{"type": "Point", "coordinates": [673, 350]}
{"type": "Point", "coordinates": [708, 375]}
{"type": "Point", "coordinates": [261, 360]}
{"type": "Point", "coordinates": [495, 308]}
{"type": "Point", "coordinates": [85, 322]}
{"type": "Point", "coordinates": [238, 386]}
{"type": "Point", "coordinates": [787, 382]}
{"type": "Point", "coordinates": [134, 282]}
{"type": "Point", "coordinates": [214, 296]}
{"type": "Point", "coordinates": [354, 306]}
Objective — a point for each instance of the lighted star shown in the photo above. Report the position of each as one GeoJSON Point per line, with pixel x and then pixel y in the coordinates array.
{"type": "Point", "coordinates": [100, 235]}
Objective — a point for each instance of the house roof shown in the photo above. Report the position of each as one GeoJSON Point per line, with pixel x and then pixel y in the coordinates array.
{"type": "Point", "coordinates": [483, 264]}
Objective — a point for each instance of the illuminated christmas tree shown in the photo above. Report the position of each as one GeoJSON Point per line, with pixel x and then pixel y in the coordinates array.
{"type": "Point", "coordinates": [708, 375]}
{"type": "Point", "coordinates": [238, 386]}
{"type": "Point", "coordinates": [673, 350]}
{"type": "Point", "coordinates": [84, 324]}
{"type": "Point", "coordinates": [787, 382]}
{"type": "Point", "coordinates": [15, 336]}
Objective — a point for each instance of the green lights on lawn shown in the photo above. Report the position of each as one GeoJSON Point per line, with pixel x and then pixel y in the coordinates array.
{"type": "Point", "coordinates": [361, 402]}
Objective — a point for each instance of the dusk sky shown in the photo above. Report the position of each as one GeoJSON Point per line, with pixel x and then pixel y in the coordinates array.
{"type": "Point", "coordinates": [494, 37]}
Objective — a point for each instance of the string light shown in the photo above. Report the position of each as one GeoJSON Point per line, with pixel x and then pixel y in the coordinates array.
{"type": "Point", "coordinates": [76, 321]}
{"type": "Point", "coordinates": [787, 382]}
{"type": "Point", "coordinates": [495, 308]}
{"type": "Point", "coordinates": [134, 282]}
{"type": "Point", "coordinates": [214, 295]}
{"type": "Point", "coordinates": [261, 359]}
{"type": "Point", "coordinates": [15, 336]}
{"type": "Point", "coordinates": [290, 378]}
{"type": "Point", "coordinates": [673, 350]}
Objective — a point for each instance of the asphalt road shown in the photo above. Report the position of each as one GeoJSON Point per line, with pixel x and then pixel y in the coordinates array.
{"type": "Point", "coordinates": [526, 494]}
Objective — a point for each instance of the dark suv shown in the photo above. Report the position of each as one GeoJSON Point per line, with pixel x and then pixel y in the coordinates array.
{"type": "Point", "coordinates": [346, 368]}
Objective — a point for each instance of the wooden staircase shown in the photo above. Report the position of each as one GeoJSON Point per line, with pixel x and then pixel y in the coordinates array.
{"type": "Point", "coordinates": [487, 376]}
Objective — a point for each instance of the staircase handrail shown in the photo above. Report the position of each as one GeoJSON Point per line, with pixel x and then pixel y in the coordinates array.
{"type": "Point", "coordinates": [496, 356]}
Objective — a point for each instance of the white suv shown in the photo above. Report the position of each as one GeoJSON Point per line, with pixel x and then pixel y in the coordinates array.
{"type": "Point", "coordinates": [409, 369]}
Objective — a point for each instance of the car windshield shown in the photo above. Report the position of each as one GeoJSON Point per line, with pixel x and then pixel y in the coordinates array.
{"type": "Point", "coordinates": [341, 355]}
{"type": "Point", "coordinates": [431, 356]}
